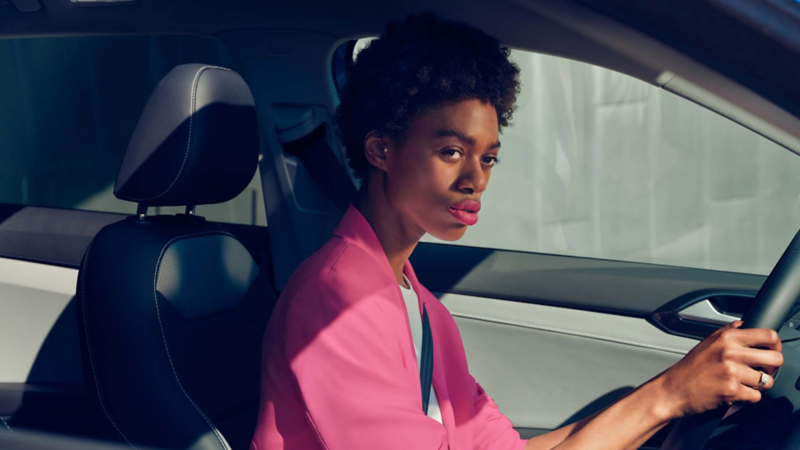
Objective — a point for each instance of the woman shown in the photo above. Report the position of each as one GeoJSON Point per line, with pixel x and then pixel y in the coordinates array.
{"type": "Point", "coordinates": [420, 118]}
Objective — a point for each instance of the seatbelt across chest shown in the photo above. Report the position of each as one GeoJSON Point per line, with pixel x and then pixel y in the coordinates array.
{"type": "Point", "coordinates": [426, 361]}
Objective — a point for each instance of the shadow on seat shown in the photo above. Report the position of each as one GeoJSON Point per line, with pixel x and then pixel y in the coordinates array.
{"type": "Point", "coordinates": [172, 309]}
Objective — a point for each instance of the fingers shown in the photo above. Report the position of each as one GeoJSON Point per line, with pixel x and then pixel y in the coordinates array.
{"type": "Point", "coordinates": [770, 360]}
{"type": "Point", "coordinates": [752, 379]}
{"type": "Point", "coordinates": [753, 337]}
{"type": "Point", "coordinates": [734, 324]}
{"type": "Point", "coordinates": [726, 368]}
{"type": "Point", "coordinates": [748, 391]}
{"type": "Point", "coordinates": [747, 394]}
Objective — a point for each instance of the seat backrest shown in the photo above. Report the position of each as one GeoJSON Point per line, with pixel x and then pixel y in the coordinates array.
{"type": "Point", "coordinates": [172, 309]}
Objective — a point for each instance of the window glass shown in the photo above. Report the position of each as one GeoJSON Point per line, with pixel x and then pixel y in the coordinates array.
{"type": "Point", "coordinates": [599, 164]}
{"type": "Point", "coordinates": [603, 165]}
{"type": "Point", "coordinates": [69, 106]}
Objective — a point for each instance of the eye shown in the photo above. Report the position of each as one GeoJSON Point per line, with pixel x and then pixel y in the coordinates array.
{"type": "Point", "coordinates": [490, 160]}
{"type": "Point", "coordinates": [452, 153]}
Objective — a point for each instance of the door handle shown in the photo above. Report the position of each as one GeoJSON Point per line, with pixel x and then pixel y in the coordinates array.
{"type": "Point", "coordinates": [705, 312]}
{"type": "Point", "coordinates": [700, 313]}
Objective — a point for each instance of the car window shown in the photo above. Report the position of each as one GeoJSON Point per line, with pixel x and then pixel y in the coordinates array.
{"type": "Point", "coordinates": [599, 164]}
{"type": "Point", "coordinates": [68, 107]}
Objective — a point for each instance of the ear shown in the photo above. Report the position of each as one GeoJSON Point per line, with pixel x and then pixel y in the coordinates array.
{"type": "Point", "coordinates": [376, 146]}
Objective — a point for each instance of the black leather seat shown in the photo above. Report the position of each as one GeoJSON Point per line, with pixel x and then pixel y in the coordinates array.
{"type": "Point", "coordinates": [172, 309]}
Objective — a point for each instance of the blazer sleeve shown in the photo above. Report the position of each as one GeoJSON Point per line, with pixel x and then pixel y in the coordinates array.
{"type": "Point", "coordinates": [349, 370]}
{"type": "Point", "coordinates": [492, 430]}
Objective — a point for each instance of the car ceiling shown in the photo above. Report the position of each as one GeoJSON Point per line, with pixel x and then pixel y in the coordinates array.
{"type": "Point", "coordinates": [745, 43]}
{"type": "Point", "coordinates": [208, 17]}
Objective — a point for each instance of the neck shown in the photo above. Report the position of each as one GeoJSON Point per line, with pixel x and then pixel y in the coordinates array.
{"type": "Point", "coordinates": [397, 237]}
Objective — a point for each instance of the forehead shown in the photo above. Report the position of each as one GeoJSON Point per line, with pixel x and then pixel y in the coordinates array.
{"type": "Point", "coordinates": [473, 118]}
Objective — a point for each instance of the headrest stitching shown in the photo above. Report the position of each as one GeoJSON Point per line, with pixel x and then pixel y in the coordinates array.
{"type": "Point", "coordinates": [192, 106]}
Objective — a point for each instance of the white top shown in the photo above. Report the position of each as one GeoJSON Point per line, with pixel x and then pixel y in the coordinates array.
{"type": "Point", "coordinates": [415, 319]}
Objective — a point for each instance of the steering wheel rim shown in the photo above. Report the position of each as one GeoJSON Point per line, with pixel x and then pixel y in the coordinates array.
{"type": "Point", "coordinates": [771, 308]}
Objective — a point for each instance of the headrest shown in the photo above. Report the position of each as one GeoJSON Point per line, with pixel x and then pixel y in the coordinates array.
{"type": "Point", "coordinates": [196, 142]}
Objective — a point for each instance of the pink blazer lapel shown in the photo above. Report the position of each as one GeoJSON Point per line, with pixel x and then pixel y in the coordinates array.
{"type": "Point", "coordinates": [355, 227]}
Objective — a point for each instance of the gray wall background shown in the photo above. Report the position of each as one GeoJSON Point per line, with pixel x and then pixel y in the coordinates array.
{"type": "Point", "coordinates": [599, 164]}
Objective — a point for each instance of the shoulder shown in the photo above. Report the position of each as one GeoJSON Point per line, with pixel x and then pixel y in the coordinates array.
{"type": "Point", "coordinates": [337, 296]}
{"type": "Point", "coordinates": [322, 260]}
{"type": "Point", "coordinates": [334, 277]}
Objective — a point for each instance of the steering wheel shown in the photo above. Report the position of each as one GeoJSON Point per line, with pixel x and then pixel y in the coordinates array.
{"type": "Point", "coordinates": [771, 309]}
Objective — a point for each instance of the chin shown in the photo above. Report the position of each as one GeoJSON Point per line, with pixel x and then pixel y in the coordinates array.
{"type": "Point", "coordinates": [449, 234]}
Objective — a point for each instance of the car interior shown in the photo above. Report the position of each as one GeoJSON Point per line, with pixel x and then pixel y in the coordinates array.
{"type": "Point", "coordinates": [165, 165]}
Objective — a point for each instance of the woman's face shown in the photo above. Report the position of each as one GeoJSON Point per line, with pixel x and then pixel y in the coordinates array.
{"type": "Point", "coordinates": [436, 176]}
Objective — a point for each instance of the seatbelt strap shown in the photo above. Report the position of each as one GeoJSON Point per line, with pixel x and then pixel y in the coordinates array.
{"type": "Point", "coordinates": [426, 361]}
{"type": "Point", "coordinates": [323, 166]}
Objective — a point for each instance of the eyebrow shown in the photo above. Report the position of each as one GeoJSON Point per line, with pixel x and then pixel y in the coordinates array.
{"type": "Point", "coordinates": [462, 137]}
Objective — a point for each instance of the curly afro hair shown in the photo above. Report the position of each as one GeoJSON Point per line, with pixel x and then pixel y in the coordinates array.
{"type": "Point", "coordinates": [417, 64]}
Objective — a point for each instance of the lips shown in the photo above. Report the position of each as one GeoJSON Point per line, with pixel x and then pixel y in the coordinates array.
{"type": "Point", "coordinates": [466, 212]}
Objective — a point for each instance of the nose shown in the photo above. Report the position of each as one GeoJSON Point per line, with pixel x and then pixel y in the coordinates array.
{"type": "Point", "coordinates": [473, 179]}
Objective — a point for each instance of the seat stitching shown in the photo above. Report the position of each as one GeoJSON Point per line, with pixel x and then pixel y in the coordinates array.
{"type": "Point", "coordinates": [570, 332]}
{"type": "Point", "coordinates": [222, 441]}
{"type": "Point", "coordinates": [89, 344]}
{"type": "Point", "coordinates": [6, 424]}
{"type": "Point", "coordinates": [192, 106]}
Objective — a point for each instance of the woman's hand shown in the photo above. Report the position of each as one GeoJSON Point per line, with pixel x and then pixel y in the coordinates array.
{"type": "Point", "coordinates": [721, 370]}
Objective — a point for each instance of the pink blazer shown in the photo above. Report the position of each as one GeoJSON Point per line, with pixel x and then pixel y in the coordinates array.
{"type": "Point", "coordinates": [339, 370]}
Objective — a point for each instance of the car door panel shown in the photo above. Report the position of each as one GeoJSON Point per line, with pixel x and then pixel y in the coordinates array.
{"type": "Point", "coordinates": [547, 366]}
{"type": "Point", "coordinates": [41, 377]}
{"type": "Point", "coordinates": [34, 299]}
{"type": "Point", "coordinates": [554, 339]}
{"type": "Point", "coordinates": [615, 287]}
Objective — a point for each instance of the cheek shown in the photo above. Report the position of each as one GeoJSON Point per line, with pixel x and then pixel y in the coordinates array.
{"type": "Point", "coordinates": [420, 180]}
{"type": "Point", "coordinates": [404, 188]}
{"type": "Point", "coordinates": [435, 176]}
{"type": "Point", "coordinates": [421, 192]}
{"type": "Point", "coordinates": [432, 193]}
